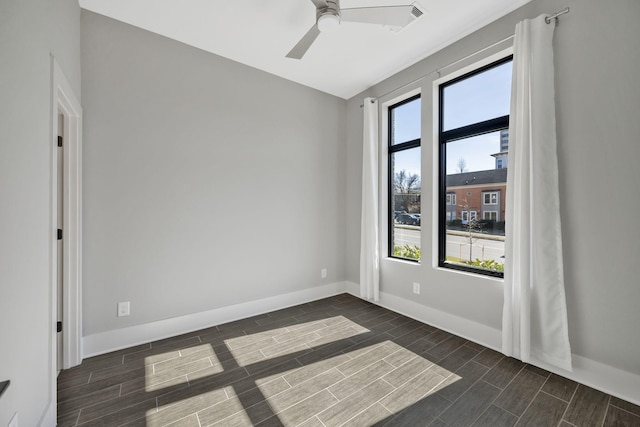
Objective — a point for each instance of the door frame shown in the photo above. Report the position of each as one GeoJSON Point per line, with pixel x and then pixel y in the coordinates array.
{"type": "Point", "coordinates": [64, 100]}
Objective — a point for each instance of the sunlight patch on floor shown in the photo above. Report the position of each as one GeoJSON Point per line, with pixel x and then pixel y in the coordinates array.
{"type": "Point", "coordinates": [197, 361]}
{"type": "Point", "coordinates": [369, 381]}
{"type": "Point", "coordinates": [282, 341]}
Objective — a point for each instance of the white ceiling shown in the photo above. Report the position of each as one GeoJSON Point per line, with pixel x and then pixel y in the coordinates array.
{"type": "Point", "coordinates": [259, 33]}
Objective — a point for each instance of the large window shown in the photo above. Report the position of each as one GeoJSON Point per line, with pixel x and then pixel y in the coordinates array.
{"type": "Point", "coordinates": [404, 179]}
{"type": "Point", "coordinates": [473, 143]}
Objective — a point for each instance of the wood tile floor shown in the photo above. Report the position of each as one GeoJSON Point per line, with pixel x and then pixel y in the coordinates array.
{"type": "Point", "coordinates": [338, 361]}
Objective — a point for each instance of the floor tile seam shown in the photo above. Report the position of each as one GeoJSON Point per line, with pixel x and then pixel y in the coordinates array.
{"type": "Point", "coordinates": [178, 420]}
{"type": "Point", "coordinates": [492, 402]}
{"type": "Point", "coordinates": [340, 401]}
{"type": "Point", "coordinates": [145, 364]}
{"type": "Point", "coordinates": [417, 375]}
{"type": "Point", "coordinates": [364, 410]}
{"type": "Point", "coordinates": [380, 360]}
{"type": "Point", "coordinates": [573, 395]}
{"type": "Point", "coordinates": [135, 390]}
{"type": "Point", "coordinates": [393, 389]}
{"type": "Point", "coordinates": [363, 386]}
{"type": "Point", "coordinates": [115, 411]}
{"type": "Point", "coordinates": [366, 352]}
{"type": "Point", "coordinates": [552, 395]}
{"type": "Point", "coordinates": [445, 356]}
{"type": "Point", "coordinates": [463, 394]}
{"type": "Point", "coordinates": [307, 380]}
{"type": "Point", "coordinates": [427, 393]}
{"type": "Point", "coordinates": [77, 418]}
{"type": "Point", "coordinates": [397, 351]}
{"type": "Point", "coordinates": [502, 356]}
{"type": "Point", "coordinates": [622, 409]}
{"type": "Point", "coordinates": [536, 373]}
{"type": "Point", "coordinates": [606, 411]}
{"type": "Point", "coordinates": [78, 399]}
{"type": "Point", "coordinates": [317, 337]}
{"type": "Point", "coordinates": [201, 409]}
{"type": "Point", "coordinates": [184, 364]}
{"type": "Point", "coordinates": [510, 381]}
{"type": "Point", "coordinates": [249, 345]}
{"type": "Point", "coordinates": [533, 400]}
{"type": "Point", "coordinates": [509, 412]}
{"type": "Point", "coordinates": [276, 412]}
{"type": "Point", "coordinates": [351, 360]}
{"type": "Point", "coordinates": [538, 390]}
{"type": "Point", "coordinates": [467, 363]}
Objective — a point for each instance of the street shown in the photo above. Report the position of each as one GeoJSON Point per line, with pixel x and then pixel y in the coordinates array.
{"type": "Point", "coordinates": [457, 246]}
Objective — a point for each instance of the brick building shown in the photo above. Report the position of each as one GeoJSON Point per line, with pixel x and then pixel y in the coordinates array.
{"type": "Point", "coordinates": [476, 195]}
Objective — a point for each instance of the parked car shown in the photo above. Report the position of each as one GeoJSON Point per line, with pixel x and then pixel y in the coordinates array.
{"type": "Point", "coordinates": [408, 219]}
{"type": "Point", "coordinates": [396, 213]}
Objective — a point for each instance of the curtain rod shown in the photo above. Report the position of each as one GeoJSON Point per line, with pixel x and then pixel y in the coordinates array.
{"type": "Point", "coordinates": [548, 20]}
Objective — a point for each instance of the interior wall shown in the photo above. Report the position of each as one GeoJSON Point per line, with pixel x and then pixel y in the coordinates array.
{"type": "Point", "coordinates": [597, 99]}
{"type": "Point", "coordinates": [207, 183]}
{"type": "Point", "coordinates": [30, 32]}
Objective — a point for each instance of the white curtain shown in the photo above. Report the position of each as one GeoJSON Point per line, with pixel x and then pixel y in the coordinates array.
{"type": "Point", "coordinates": [535, 316]}
{"type": "Point", "coordinates": [369, 245]}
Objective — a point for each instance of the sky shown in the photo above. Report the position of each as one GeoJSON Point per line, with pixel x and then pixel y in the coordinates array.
{"type": "Point", "coordinates": [482, 97]}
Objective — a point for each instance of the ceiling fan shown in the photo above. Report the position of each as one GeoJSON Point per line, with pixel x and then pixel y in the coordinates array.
{"type": "Point", "coordinates": [329, 15]}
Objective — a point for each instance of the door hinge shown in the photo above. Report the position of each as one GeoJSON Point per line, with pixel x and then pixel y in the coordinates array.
{"type": "Point", "coordinates": [59, 327]}
{"type": "Point", "coordinates": [59, 233]}
{"type": "Point", "coordinates": [59, 141]}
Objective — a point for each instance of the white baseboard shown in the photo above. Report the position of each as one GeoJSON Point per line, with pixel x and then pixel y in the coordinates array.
{"type": "Point", "coordinates": [48, 416]}
{"type": "Point", "coordinates": [622, 384]}
{"type": "Point", "coordinates": [465, 328]}
{"type": "Point", "coordinates": [117, 339]}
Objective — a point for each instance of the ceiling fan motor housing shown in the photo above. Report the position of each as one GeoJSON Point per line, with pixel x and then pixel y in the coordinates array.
{"type": "Point", "coordinates": [328, 18]}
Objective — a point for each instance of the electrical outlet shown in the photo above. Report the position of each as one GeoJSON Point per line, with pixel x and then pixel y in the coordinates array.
{"type": "Point", "coordinates": [14, 421]}
{"type": "Point", "coordinates": [323, 273]}
{"type": "Point", "coordinates": [416, 288]}
{"type": "Point", "coordinates": [123, 309]}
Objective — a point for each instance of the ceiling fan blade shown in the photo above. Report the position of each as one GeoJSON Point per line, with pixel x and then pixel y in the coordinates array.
{"type": "Point", "coordinates": [397, 16]}
{"type": "Point", "coordinates": [319, 3]}
{"type": "Point", "coordinates": [305, 42]}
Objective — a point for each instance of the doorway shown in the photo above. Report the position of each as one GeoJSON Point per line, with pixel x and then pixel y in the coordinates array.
{"type": "Point", "coordinates": [66, 224]}
{"type": "Point", "coordinates": [60, 244]}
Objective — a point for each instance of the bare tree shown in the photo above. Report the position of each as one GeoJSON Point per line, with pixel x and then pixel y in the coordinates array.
{"type": "Point", "coordinates": [462, 165]}
{"type": "Point", "coordinates": [473, 226]}
{"type": "Point", "coordinates": [404, 184]}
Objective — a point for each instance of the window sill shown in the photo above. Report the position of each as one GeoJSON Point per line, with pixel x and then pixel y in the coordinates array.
{"type": "Point", "coordinates": [404, 261]}
{"type": "Point", "coordinates": [471, 274]}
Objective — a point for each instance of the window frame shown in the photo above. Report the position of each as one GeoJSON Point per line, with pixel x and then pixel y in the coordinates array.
{"type": "Point", "coordinates": [392, 149]}
{"type": "Point", "coordinates": [490, 193]}
{"type": "Point", "coordinates": [468, 131]}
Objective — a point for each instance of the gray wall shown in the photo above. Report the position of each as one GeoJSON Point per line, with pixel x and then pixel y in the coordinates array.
{"type": "Point", "coordinates": [30, 31]}
{"type": "Point", "coordinates": [598, 99]}
{"type": "Point", "coordinates": [206, 183]}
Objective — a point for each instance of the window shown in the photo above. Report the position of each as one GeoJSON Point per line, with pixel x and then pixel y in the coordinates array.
{"type": "Point", "coordinates": [451, 199]}
{"type": "Point", "coordinates": [473, 114]}
{"type": "Point", "coordinates": [490, 215]}
{"type": "Point", "coordinates": [404, 179]}
{"type": "Point", "coordinates": [491, 198]}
